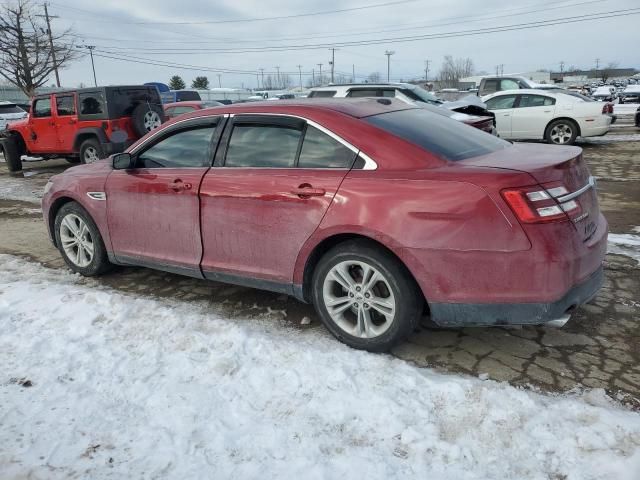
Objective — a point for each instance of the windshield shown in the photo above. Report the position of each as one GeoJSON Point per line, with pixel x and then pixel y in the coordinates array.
{"type": "Point", "coordinates": [444, 137]}
{"type": "Point", "coordinates": [421, 95]}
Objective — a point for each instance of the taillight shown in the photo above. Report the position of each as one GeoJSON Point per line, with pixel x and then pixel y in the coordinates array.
{"type": "Point", "coordinates": [540, 205]}
{"type": "Point", "coordinates": [607, 108]}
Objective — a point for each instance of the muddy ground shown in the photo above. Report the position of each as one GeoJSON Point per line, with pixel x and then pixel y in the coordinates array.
{"type": "Point", "coordinates": [599, 347]}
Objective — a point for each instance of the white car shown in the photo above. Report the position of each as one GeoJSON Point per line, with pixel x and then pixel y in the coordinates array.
{"type": "Point", "coordinates": [554, 116]}
{"type": "Point", "coordinates": [10, 112]}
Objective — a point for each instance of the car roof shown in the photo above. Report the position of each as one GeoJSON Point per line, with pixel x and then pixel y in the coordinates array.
{"type": "Point", "coordinates": [333, 86]}
{"type": "Point", "coordinates": [92, 89]}
{"type": "Point", "coordinates": [354, 107]}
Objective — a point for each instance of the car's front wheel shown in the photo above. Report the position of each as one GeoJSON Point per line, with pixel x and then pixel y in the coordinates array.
{"type": "Point", "coordinates": [79, 241]}
{"type": "Point", "coordinates": [365, 297]}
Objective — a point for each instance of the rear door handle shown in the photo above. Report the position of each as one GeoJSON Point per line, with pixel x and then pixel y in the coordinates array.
{"type": "Point", "coordinates": [304, 191]}
{"type": "Point", "coordinates": [179, 186]}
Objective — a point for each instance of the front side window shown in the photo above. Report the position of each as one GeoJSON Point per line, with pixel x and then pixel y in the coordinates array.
{"type": "Point", "coordinates": [502, 102]}
{"type": "Point", "coordinates": [447, 138]}
{"type": "Point", "coordinates": [42, 107]}
{"type": "Point", "coordinates": [255, 145]}
{"type": "Point", "coordinates": [535, 101]}
{"type": "Point", "coordinates": [91, 103]}
{"type": "Point", "coordinates": [184, 149]}
{"type": "Point", "coordinates": [65, 105]}
{"type": "Point", "coordinates": [319, 150]}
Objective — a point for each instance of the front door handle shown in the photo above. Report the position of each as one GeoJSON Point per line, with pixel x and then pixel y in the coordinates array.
{"type": "Point", "coordinates": [179, 186]}
{"type": "Point", "coordinates": [305, 191]}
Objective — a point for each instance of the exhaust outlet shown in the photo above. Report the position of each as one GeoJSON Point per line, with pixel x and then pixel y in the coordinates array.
{"type": "Point", "coordinates": [559, 322]}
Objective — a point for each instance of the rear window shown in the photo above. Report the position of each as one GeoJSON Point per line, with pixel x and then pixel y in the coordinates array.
{"type": "Point", "coordinates": [322, 94]}
{"type": "Point", "coordinates": [187, 96]}
{"type": "Point", "coordinates": [439, 135]}
{"type": "Point", "coordinates": [10, 109]}
{"type": "Point", "coordinates": [122, 101]}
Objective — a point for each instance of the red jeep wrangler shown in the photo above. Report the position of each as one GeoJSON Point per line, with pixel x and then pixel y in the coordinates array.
{"type": "Point", "coordinates": [83, 125]}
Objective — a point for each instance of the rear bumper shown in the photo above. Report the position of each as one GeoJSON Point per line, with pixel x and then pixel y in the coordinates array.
{"type": "Point", "coordinates": [478, 314]}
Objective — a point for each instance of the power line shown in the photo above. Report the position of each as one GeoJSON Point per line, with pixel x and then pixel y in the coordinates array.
{"type": "Point", "coordinates": [262, 19]}
{"type": "Point", "coordinates": [412, 38]}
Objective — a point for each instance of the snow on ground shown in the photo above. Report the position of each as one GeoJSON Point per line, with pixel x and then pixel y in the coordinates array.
{"type": "Point", "coordinates": [625, 108]}
{"type": "Point", "coordinates": [130, 387]}
{"type": "Point", "coordinates": [625, 244]}
{"type": "Point", "coordinates": [19, 189]}
{"type": "Point", "coordinates": [611, 137]}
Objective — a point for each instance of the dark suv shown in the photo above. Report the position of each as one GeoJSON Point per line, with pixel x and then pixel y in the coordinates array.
{"type": "Point", "coordinates": [83, 125]}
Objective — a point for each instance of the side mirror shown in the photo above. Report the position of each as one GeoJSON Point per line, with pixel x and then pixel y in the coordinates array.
{"type": "Point", "coordinates": [122, 161]}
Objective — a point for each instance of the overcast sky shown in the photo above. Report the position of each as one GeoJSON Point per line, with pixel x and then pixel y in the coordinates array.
{"type": "Point", "coordinates": [124, 29]}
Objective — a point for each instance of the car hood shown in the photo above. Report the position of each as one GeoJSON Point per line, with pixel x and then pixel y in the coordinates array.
{"type": "Point", "coordinates": [22, 120]}
{"type": "Point", "coordinates": [101, 167]}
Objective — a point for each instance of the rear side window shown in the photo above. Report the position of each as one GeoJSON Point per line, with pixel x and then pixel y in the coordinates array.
{"type": "Point", "coordinates": [260, 146]}
{"type": "Point", "coordinates": [322, 94]}
{"type": "Point", "coordinates": [91, 103]}
{"type": "Point", "coordinates": [10, 109]}
{"type": "Point", "coordinates": [65, 105]}
{"type": "Point", "coordinates": [319, 150]}
{"type": "Point", "coordinates": [535, 101]}
{"type": "Point", "coordinates": [500, 103]}
{"type": "Point", "coordinates": [42, 107]}
{"type": "Point", "coordinates": [184, 149]}
{"type": "Point", "coordinates": [449, 139]}
{"type": "Point", "coordinates": [181, 110]}
{"type": "Point", "coordinates": [363, 92]}
{"type": "Point", "coordinates": [187, 96]}
{"type": "Point", "coordinates": [122, 101]}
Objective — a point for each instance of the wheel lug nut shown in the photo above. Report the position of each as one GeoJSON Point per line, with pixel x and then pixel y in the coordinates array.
{"type": "Point", "coordinates": [351, 294]}
{"type": "Point", "coordinates": [357, 289]}
{"type": "Point", "coordinates": [366, 305]}
{"type": "Point", "coordinates": [366, 295]}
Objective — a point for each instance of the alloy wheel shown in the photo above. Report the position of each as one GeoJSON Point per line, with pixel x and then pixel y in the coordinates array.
{"type": "Point", "coordinates": [561, 133]}
{"type": "Point", "coordinates": [91, 155]}
{"type": "Point", "coordinates": [76, 240]}
{"type": "Point", "coordinates": [151, 120]}
{"type": "Point", "coordinates": [359, 299]}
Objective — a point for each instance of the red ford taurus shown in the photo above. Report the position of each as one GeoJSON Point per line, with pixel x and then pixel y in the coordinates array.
{"type": "Point", "coordinates": [374, 211]}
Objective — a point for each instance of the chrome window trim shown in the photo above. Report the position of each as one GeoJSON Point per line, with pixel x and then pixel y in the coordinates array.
{"type": "Point", "coordinates": [590, 184]}
{"type": "Point", "coordinates": [369, 163]}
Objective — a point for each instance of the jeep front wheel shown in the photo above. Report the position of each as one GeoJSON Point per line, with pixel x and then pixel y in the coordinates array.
{"type": "Point", "coordinates": [90, 151]}
{"type": "Point", "coordinates": [12, 153]}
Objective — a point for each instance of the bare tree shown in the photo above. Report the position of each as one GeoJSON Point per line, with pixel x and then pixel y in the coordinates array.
{"type": "Point", "coordinates": [285, 81]}
{"type": "Point", "coordinates": [453, 70]}
{"type": "Point", "coordinates": [27, 57]}
{"type": "Point", "coordinates": [608, 71]}
{"type": "Point", "coordinates": [374, 77]}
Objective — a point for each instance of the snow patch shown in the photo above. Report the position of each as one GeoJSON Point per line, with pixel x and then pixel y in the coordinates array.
{"type": "Point", "coordinates": [130, 387]}
{"type": "Point", "coordinates": [625, 244]}
{"type": "Point", "coordinates": [19, 189]}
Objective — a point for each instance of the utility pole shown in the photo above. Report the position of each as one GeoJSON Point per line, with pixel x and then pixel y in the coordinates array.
{"type": "Point", "coordinates": [502, 69]}
{"type": "Point", "coordinates": [320, 65]}
{"type": "Point", "coordinates": [333, 61]}
{"type": "Point", "coordinates": [313, 77]}
{"type": "Point", "coordinates": [300, 73]}
{"type": "Point", "coordinates": [53, 51]}
{"type": "Point", "coordinates": [278, 77]}
{"type": "Point", "coordinates": [262, 73]}
{"type": "Point", "coordinates": [597, 65]}
{"type": "Point", "coordinates": [562, 66]}
{"type": "Point", "coordinates": [257, 80]}
{"type": "Point", "coordinates": [93, 67]}
{"type": "Point", "coordinates": [353, 73]}
{"type": "Point", "coordinates": [426, 70]}
{"type": "Point", "coordinates": [220, 81]}
{"type": "Point", "coordinates": [388, 53]}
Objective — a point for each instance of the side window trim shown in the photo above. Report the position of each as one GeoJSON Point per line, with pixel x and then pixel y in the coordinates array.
{"type": "Point", "coordinates": [369, 163]}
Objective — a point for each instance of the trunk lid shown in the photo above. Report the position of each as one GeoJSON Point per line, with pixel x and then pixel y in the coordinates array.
{"type": "Point", "coordinates": [553, 167]}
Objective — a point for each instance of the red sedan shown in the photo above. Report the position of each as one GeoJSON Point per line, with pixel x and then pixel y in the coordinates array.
{"type": "Point", "coordinates": [374, 211]}
{"type": "Point", "coordinates": [173, 110]}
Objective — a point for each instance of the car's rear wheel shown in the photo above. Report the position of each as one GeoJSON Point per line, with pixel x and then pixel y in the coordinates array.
{"type": "Point", "coordinates": [561, 132]}
{"type": "Point", "coordinates": [79, 241]}
{"type": "Point", "coordinates": [91, 151]}
{"type": "Point", "coordinates": [11, 151]}
{"type": "Point", "coordinates": [365, 297]}
{"type": "Point", "coordinates": [147, 117]}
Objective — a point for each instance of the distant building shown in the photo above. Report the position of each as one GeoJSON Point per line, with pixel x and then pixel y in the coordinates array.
{"type": "Point", "coordinates": [559, 77]}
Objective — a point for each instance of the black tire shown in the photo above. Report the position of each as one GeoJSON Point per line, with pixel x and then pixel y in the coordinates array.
{"type": "Point", "coordinates": [140, 121]}
{"type": "Point", "coordinates": [565, 126]}
{"type": "Point", "coordinates": [90, 151]}
{"type": "Point", "coordinates": [12, 155]}
{"type": "Point", "coordinates": [100, 262]}
{"type": "Point", "coordinates": [408, 305]}
{"type": "Point", "coordinates": [73, 159]}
